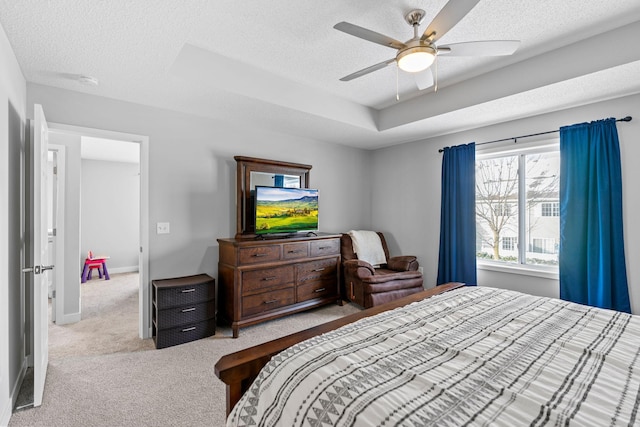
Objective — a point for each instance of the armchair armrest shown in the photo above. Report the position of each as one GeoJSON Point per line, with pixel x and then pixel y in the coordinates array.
{"type": "Point", "coordinates": [359, 268]}
{"type": "Point", "coordinates": [402, 263]}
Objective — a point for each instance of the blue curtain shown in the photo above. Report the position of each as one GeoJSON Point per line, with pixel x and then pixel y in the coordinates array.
{"type": "Point", "coordinates": [592, 263]}
{"type": "Point", "coordinates": [278, 181]}
{"type": "Point", "coordinates": [457, 260]}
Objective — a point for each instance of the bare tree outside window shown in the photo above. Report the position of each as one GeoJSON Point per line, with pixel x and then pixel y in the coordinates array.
{"type": "Point", "coordinates": [498, 207]}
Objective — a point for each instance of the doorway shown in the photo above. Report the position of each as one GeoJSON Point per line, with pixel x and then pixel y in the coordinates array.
{"type": "Point", "coordinates": [69, 289]}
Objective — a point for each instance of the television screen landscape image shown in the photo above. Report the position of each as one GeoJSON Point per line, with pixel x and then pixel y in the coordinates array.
{"type": "Point", "coordinates": [286, 210]}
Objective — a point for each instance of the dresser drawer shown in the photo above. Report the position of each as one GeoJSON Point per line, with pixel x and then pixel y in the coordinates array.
{"type": "Point", "coordinates": [295, 250]}
{"type": "Point", "coordinates": [314, 270]}
{"type": "Point", "coordinates": [182, 315]}
{"type": "Point", "coordinates": [258, 281]}
{"type": "Point", "coordinates": [259, 254]}
{"type": "Point", "coordinates": [174, 292]}
{"type": "Point", "coordinates": [255, 304]}
{"type": "Point", "coordinates": [316, 289]}
{"type": "Point", "coordinates": [325, 247]}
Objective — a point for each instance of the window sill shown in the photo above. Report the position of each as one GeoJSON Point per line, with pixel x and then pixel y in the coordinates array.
{"type": "Point", "coordinates": [542, 272]}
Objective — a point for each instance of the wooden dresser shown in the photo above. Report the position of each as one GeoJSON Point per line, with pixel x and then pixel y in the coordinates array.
{"type": "Point", "coordinates": [184, 309]}
{"type": "Point", "coordinates": [260, 280]}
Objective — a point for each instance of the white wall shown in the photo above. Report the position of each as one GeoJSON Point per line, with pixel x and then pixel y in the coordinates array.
{"type": "Point", "coordinates": [13, 97]}
{"type": "Point", "coordinates": [406, 199]}
{"type": "Point", "coordinates": [192, 173]}
{"type": "Point", "coordinates": [110, 209]}
{"type": "Point", "coordinates": [69, 291]}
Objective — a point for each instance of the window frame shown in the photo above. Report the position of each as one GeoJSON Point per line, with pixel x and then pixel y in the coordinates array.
{"type": "Point", "coordinates": [533, 147]}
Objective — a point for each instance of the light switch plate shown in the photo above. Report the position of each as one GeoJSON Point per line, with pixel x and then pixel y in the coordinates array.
{"type": "Point", "coordinates": [163, 228]}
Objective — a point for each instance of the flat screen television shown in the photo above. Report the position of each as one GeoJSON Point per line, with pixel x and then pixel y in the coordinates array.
{"type": "Point", "coordinates": [281, 210]}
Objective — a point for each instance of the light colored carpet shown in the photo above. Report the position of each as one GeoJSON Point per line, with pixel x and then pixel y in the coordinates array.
{"type": "Point", "coordinates": [175, 386]}
{"type": "Point", "coordinates": [109, 320]}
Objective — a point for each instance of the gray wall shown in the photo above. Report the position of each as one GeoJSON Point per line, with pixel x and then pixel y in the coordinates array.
{"type": "Point", "coordinates": [110, 209]}
{"type": "Point", "coordinates": [406, 200]}
{"type": "Point", "coordinates": [13, 96]}
{"type": "Point", "coordinates": [192, 173]}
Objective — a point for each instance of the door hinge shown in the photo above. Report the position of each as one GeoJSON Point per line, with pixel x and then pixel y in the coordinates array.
{"type": "Point", "coordinates": [53, 293]}
{"type": "Point", "coordinates": [55, 170]}
{"type": "Point", "coordinates": [55, 232]}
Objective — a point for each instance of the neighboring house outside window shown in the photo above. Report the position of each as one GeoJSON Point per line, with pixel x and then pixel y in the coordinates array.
{"type": "Point", "coordinates": [550, 209]}
{"type": "Point", "coordinates": [517, 202]}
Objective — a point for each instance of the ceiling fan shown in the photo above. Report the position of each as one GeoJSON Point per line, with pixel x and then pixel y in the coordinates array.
{"type": "Point", "coordinates": [418, 54]}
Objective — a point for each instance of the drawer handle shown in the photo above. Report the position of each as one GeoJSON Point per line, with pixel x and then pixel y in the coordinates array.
{"type": "Point", "coordinates": [266, 279]}
{"type": "Point", "coordinates": [259, 255]}
{"type": "Point", "coordinates": [189, 329]}
{"type": "Point", "coordinates": [319, 290]}
{"type": "Point", "coordinates": [296, 252]}
{"type": "Point", "coordinates": [319, 269]}
{"type": "Point", "coordinates": [186, 310]}
{"type": "Point", "coordinates": [322, 248]}
{"type": "Point", "coordinates": [273, 301]}
{"type": "Point", "coordinates": [184, 291]}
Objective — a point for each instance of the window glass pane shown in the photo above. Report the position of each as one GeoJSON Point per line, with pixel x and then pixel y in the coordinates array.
{"type": "Point", "coordinates": [497, 209]}
{"type": "Point", "coordinates": [543, 208]}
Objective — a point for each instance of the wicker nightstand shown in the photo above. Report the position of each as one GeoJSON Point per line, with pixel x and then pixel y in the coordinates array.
{"type": "Point", "coordinates": [184, 309]}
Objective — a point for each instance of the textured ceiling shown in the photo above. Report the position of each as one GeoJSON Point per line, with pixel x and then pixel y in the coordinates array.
{"type": "Point", "coordinates": [279, 62]}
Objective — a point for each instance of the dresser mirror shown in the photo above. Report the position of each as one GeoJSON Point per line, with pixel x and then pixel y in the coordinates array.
{"type": "Point", "coordinates": [251, 172]}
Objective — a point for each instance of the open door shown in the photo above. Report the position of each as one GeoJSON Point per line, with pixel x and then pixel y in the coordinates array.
{"type": "Point", "coordinates": [38, 251]}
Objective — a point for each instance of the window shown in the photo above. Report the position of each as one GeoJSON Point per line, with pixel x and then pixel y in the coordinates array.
{"type": "Point", "coordinates": [517, 201]}
{"type": "Point", "coordinates": [544, 246]}
{"type": "Point", "coordinates": [509, 243]}
{"type": "Point", "coordinates": [551, 209]}
{"type": "Point", "coordinates": [503, 209]}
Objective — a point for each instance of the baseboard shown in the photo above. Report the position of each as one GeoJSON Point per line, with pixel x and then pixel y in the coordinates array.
{"type": "Point", "coordinates": [7, 410]}
{"type": "Point", "coordinates": [68, 318]}
{"type": "Point", "coordinates": [130, 269]}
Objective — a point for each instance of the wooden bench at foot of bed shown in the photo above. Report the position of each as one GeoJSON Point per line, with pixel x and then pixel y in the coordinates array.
{"type": "Point", "coordinates": [238, 370]}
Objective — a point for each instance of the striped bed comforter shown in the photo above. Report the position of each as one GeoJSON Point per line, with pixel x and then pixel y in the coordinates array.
{"type": "Point", "coordinates": [472, 356]}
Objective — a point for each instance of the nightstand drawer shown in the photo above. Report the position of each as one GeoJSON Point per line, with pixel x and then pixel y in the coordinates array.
{"type": "Point", "coordinates": [259, 303]}
{"type": "Point", "coordinates": [182, 315]}
{"type": "Point", "coordinates": [185, 290]}
{"type": "Point", "coordinates": [258, 281]}
{"type": "Point", "coordinates": [184, 333]}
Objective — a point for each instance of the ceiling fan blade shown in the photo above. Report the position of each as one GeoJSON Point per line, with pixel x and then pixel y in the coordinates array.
{"type": "Point", "coordinates": [447, 18]}
{"type": "Point", "coordinates": [480, 48]}
{"type": "Point", "coordinates": [369, 35]}
{"type": "Point", "coordinates": [424, 79]}
{"type": "Point", "coordinates": [368, 70]}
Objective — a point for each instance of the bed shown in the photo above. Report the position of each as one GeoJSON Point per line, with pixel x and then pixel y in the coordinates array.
{"type": "Point", "coordinates": [467, 356]}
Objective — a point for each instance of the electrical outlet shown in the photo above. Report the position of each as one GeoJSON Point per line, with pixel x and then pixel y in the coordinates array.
{"type": "Point", "coordinates": [163, 228]}
{"type": "Point", "coordinates": [421, 270]}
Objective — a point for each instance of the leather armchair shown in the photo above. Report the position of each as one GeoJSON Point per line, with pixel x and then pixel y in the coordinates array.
{"type": "Point", "coordinates": [368, 286]}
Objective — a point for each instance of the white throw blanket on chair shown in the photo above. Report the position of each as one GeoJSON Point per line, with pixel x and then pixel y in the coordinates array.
{"type": "Point", "coordinates": [368, 247]}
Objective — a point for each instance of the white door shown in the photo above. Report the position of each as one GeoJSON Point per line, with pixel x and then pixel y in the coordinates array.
{"type": "Point", "coordinates": [39, 252]}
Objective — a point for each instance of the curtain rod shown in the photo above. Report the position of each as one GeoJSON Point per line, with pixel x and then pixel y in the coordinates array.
{"type": "Point", "coordinates": [515, 138]}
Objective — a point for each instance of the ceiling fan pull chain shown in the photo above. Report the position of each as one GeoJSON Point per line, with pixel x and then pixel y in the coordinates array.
{"type": "Point", "coordinates": [397, 84]}
{"type": "Point", "coordinates": [436, 84]}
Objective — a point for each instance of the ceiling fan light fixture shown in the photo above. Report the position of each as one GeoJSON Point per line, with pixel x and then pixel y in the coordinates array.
{"type": "Point", "coordinates": [415, 59]}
